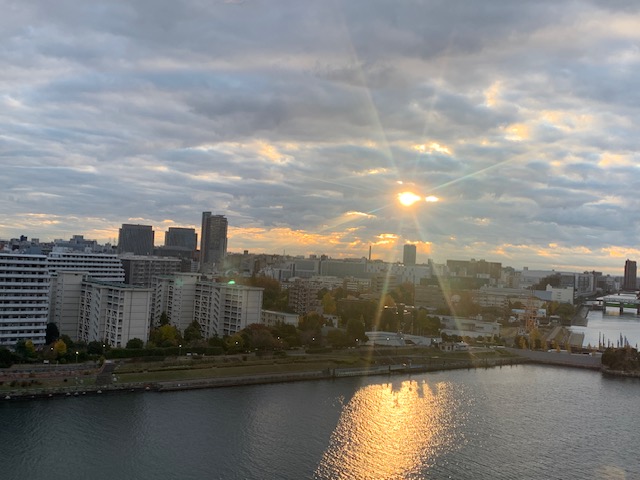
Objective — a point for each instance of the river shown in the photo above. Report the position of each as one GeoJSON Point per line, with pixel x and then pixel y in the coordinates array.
{"type": "Point", "coordinates": [526, 422]}
{"type": "Point", "coordinates": [610, 325]}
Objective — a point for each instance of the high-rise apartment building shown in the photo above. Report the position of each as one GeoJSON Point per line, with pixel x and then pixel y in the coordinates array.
{"type": "Point", "coordinates": [630, 275]}
{"type": "Point", "coordinates": [136, 239]}
{"type": "Point", "coordinates": [175, 296]}
{"type": "Point", "coordinates": [24, 298]}
{"type": "Point", "coordinates": [64, 304]}
{"type": "Point", "coordinates": [99, 266]}
{"type": "Point", "coordinates": [140, 270]}
{"type": "Point", "coordinates": [213, 240]}
{"type": "Point", "coordinates": [220, 308]}
{"type": "Point", "coordinates": [409, 255]}
{"type": "Point", "coordinates": [113, 313]}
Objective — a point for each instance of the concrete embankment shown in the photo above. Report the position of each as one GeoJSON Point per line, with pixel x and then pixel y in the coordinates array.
{"type": "Point", "coordinates": [580, 318]}
{"type": "Point", "coordinates": [562, 359]}
{"type": "Point", "coordinates": [434, 365]}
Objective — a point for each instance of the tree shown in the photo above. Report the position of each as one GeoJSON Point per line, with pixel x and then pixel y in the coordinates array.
{"type": "Point", "coordinates": [192, 333]}
{"type": "Point", "coordinates": [565, 311]}
{"type": "Point", "coordinates": [285, 334]}
{"type": "Point", "coordinates": [426, 324]}
{"type": "Point", "coordinates": [235, 343]}
{"type": "Point", "coordinates": [553, 280]}
{"type": "Point", "coordinates": [339, 338]}
{"type": "Point", "coordinates": [165, 336]}
{"type": "Point", "coordinates": [60, 348]}
{"type": "Point", "coordinates": [311, 321]}
{"type": "Point", "coordinates": [95, 348]}
{"type": "Point", "coordinates": [388, 301]}
{"type": "Point", "coordinates": [259, 337]}
{"type": "Point", "coordinates": [355, 330]}
{"type": "Point", "coordinates": [215, 341]}
{"type": "Point", "coordinates": [51, 334]}
{"type": "Point", "coordinates": [25, 349]}
{"type": "Point", "coordinates": [6, 358]}
{"type": "Point", "coordinates": [68, 342]}
{"type": "Point", "coordinates": [328, 304]}
{"type": "Point", "coordinates": [404, 293]}
{"type": "Point", "coordinates": [273, 297]}
{"type": "Point", "coordinates": [135, 343]}
{"type": "Point", "coordinates": [164, 319]}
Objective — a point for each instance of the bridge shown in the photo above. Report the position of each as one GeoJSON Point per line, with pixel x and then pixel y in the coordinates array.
{"type": "Point", "coordinates": [620, 301]}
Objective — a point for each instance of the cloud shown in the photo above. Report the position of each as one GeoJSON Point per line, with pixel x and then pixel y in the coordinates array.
{"type": "Point", "coordinates": [299, 120]}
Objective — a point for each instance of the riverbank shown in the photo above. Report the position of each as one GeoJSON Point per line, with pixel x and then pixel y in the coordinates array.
{"type": "Point", "coordinates": [178, 375]}
{"type": "Point", "coordinates": [263, 379]}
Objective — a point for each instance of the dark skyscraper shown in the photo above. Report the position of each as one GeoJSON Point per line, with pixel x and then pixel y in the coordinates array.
{"type": "Point", "coordinates": [213, 239]}
{"type": "Point", "coordinates": [409, 255]}
{"type": "Point", "coordinates": [136, 239]}
{"type": "Point", "coordinates": [630, 274]}
{"type": "Point", "coordinates": [181, 238]}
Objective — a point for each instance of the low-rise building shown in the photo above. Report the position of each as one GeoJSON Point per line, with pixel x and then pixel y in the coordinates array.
{"type": "Point", "coordinates": [271, 318]}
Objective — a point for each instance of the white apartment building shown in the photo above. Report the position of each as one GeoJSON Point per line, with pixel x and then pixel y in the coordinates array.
{"type": "Point", "coordinates": [224, 309]}
{"type": "Point", "coordinates": [24, 298]}
{"type": "Point", "coordinates": [100, 266]}
{"type": "Point", "coordinates": [113, 313]}
{"type": "Point", "coordinates": [175, 296]}
{"type": "Point", "coordinates": [64, 304]}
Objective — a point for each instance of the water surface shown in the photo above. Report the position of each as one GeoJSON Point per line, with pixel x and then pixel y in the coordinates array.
{"type": "Point", "coordinates": [526, 422]}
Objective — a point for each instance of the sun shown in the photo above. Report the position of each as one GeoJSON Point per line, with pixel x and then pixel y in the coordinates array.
{"type": "Point", "coordinates": [408, 198]}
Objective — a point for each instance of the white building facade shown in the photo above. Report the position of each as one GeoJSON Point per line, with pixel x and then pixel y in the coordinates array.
{"type": "Point", "coordinates": [224, 309]}
{"type": "Point", "coordinates": [24, 299]}
{"type": "Point", "coordinates": [113, 313]}
{"type": "Point", "coordinates": [100, 266]}
{"type": "Point", "coordinates": [175, 296]}
{"type": "Point", "coordinates": [64, 305]}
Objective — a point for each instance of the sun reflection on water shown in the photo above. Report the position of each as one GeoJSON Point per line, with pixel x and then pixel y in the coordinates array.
{"type": "Point", "coordinates": [391, 431]}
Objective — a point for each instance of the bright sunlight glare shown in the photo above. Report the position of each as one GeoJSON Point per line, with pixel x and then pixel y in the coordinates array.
{"type": "Point", "coordinates": [431, 198]}
{"type": "Point", "coordinates": [408, 198]}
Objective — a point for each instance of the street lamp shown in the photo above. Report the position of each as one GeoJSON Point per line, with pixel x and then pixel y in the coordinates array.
{"type": "Point", "coordinates": [180, 350]}
{"type": "Point", "coordinates": [77, 356]}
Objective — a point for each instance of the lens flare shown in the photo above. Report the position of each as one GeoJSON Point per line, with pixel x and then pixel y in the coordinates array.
{"type": "Point", "coordinates": [431, 199]}
{"type": "Point", "coordinates": [408, 198]}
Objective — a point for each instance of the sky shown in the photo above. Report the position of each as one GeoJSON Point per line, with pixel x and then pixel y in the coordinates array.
{"type": "Point", "coordinates": [304, 121]}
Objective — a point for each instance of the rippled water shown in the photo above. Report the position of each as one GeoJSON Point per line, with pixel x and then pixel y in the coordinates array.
{"type": "Point", "coordinates": [515, 422]}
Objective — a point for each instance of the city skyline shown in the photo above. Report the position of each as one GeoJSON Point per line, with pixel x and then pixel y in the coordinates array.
{"type": "Point", "coordinates": [505, 132]}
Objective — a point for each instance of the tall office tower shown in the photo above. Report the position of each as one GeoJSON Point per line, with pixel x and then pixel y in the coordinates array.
{"type": "Point", "coordinates": [136, 239]}
{"type": "Point", "coordinates": [181, 238]}
{"type": "Point", "coordinates": [213, 239]}
{"type": "Point", "coordinates": [24, 298]}
{"type": "Point", "coordinates": [409, 255]}
{"type": "Point", "coordinates": [630, 274]}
